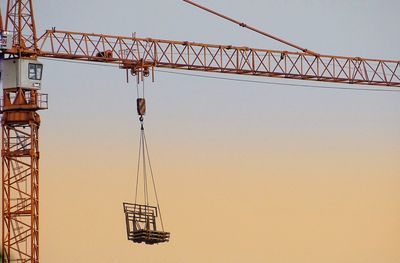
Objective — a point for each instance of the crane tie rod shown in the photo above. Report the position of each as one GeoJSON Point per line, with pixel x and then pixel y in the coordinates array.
{"type": "Point", "coordinates": [252, 28]}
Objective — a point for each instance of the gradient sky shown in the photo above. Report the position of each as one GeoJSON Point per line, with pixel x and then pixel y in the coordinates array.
{"type": "Point", "coordinates": [246, 172]}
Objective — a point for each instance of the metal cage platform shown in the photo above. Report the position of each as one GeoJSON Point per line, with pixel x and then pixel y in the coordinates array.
{"type": "Point", "coordinates": [141, 224]}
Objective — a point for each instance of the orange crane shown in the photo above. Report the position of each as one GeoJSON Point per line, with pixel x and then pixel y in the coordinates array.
{"type": "Point", "coordinates": [20, 47]}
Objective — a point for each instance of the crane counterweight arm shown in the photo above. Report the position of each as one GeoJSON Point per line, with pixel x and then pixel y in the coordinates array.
{"type": "Point", "coordinates": [132, 52]}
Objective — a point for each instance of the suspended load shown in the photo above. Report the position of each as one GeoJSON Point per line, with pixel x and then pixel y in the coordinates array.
{"type": "Point", "coordinates": [141, 224]}
{"type": "Point", "coordinates": [144, 222]}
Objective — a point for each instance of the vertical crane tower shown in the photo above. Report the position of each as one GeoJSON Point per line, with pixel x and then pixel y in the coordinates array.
{"type": "Point", "coordinates": [21, 78]}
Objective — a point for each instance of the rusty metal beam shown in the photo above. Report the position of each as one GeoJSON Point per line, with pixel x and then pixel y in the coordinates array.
{"type": "Point", "coordinates": [20, 175]}
{"type": "Point", "coordinates": [138, 53]}
{"type": "Point", "coordinates": [20, 189]}
{"type": "Point", "coordinates": [21, 23]}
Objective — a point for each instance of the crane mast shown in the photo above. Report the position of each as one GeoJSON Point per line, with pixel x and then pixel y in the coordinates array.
{"type": "Point", "coordinates": [20, 23]}
{"type": "Point", "coordinates": [20, 135]}
{"type": "Point", "coordinates": [20, 48]}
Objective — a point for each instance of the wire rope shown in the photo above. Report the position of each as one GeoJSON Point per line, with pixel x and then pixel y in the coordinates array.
{"type": "Point", "coordinates": [322, 87]}
{"type": "Point", "coordinates": [153, 180]}
{"type": "Point", "coordinates": [138, 169]}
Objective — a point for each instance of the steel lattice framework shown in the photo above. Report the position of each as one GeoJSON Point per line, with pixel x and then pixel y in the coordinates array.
{"type": "Point", "coordinates": [20, 175]}
{"type": "Point", "coordinates": [144, 52]}
{"type": "Point", "coordinates": [20, 146]}
{"type": "Point", "coordinates": [21, 23]}
{"type": "Point", "coordinates": [20, 151]}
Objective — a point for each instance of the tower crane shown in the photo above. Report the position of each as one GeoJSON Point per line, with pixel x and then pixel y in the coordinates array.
{"type": "Point", "coordinates": [21, 46]}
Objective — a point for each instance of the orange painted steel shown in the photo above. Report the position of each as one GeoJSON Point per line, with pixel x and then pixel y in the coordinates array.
{"type": "Point", "coordinates": [138, 53]}
{"type": "Point", "coordinates": [21, 23]}
{"type": "Point", "coordinates": [20, 147]}
{"type": "Point", "coordinates": [20, 189]}
{"type": "Point", "coordinates": [20, 174]}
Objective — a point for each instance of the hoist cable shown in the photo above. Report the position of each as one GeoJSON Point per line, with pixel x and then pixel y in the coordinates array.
{"type": "Point", "coordinates": [145, 187]}
{"type": "Point", "coordinates": [143, 87]}
{"type": "Point", "coordinates": [144, 170]}
{"type": "Point", "coordinates": [137, 88]}
{"type": "Point", "coordinates": [153, 180]}
{"type": "Point", "coordinates": [145, 162]}
{"type": "Point", "coordinates": [138, 168]}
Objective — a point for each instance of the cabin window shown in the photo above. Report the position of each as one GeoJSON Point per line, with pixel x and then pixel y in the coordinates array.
{"type": "Point", "coordinates": [35, 71]}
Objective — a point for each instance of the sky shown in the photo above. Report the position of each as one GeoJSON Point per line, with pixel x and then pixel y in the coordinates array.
{"type": "Point", "coordinates": [246, 172]}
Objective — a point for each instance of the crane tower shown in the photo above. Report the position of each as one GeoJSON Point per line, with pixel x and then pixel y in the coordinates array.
{"type": "Point", "coordinates": [21, 79]}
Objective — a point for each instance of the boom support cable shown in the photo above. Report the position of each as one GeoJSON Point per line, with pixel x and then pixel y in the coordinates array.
{"type": "Point", "coordinates": [305, 50]}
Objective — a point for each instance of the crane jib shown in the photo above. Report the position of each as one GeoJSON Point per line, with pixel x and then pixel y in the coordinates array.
{"type": "Point", "coordinates": [142, 53]}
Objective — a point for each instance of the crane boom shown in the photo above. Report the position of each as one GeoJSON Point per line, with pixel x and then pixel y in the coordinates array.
{"type": "Point", "coordinates": [136, 53]}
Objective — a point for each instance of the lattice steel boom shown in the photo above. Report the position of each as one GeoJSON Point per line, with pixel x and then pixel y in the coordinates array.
{"type": "Point", "coordinates": [139, 53]}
